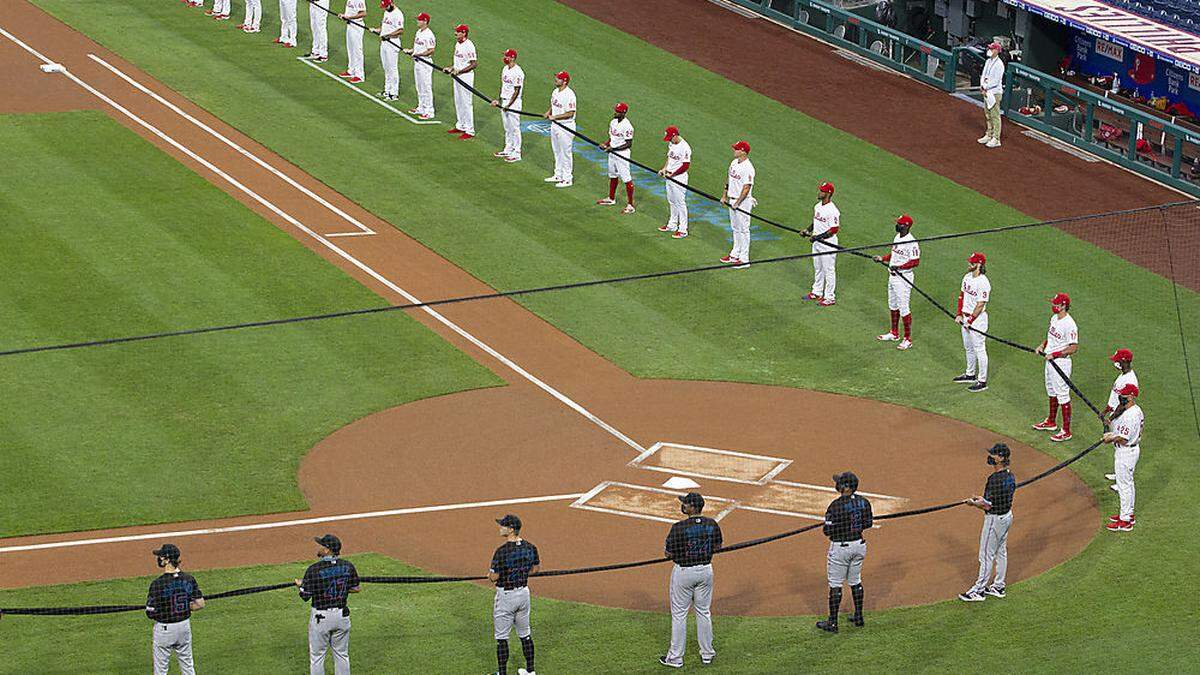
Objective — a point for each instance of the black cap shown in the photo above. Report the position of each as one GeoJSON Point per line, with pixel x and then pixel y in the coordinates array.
{"type": "Point", "coordinates": [693, 499]}
{"type": "Point", "coordinates": [330, 542]}
{"type": "Point", "coordinates": [510, 521]}
{"type": "Point", "coordinates": [846, 479]}
{"type": "Point", "coordinates": [168, 551]}
{"type": "Point", "coordinates": [1000, 450]}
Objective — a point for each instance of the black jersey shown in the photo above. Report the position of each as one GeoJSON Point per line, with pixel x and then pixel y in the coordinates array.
{"type": "Point", "coordinates": [693, 541]}
{"type": "Point", "coordinates": [847, 517]}
{"type": "Point", "coordinates": [512, 562]}
{"type": "Point", "coordinates": [171, 596]}
{"type": "Point", "coordinates": [999, 491]}
{"type": "Point", "coordinates": [328, 582]}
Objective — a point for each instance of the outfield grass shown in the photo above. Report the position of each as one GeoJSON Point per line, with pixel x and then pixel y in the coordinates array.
{"type": "Point", "coordinates": [502, 224]}
{"type": "Point", "coordinates": [106, 236]}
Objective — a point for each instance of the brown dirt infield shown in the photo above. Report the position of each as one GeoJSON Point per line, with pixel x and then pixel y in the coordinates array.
{"type": "Point", "coordinates": [517, 441]}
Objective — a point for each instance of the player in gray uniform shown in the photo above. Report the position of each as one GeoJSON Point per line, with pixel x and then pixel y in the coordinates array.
{"type": "Point", "coordinates": [996, 503]}
{"type": "Point", "coordinates": [511, 566]}
{"type": "Point", "coordinates": [691, 544]}
{"type": "Point", "coordinates": [327, 583]}
{"type": "Point", "coordinates": [845, 520]}
{"type": "Point", "coordinates": [173, 597]}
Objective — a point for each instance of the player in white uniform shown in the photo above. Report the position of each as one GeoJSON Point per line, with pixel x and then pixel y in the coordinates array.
{"type": "Point", "coordinates": [738, 196]}
{"type": "Point", "coordinates": [220, 10]}
{"type": "Point", "coordinates": [253, 16]}
{"type": "Point", "coordinates": [287, 24]}
{"type": "Point", "coordinates": [465, 61]}
{"type": "Point", "coordinates": [424, 44]}
{"type": "Point", "coordinates": [620, 140]}
{"type": "Point", "coordinates": [320, 36]}
{"type": "Point", "coordinates": [391, 28]}
{"type": "Point", "coordinates": [1122, 360]}
{"type": "Point", "coordinates": [562, 141]}
{"type": "Point", "coordinates": [679, 160]}
{"type": "Point", "coordinates": [356, 11]}
{"type": "Point", "coordinates": [1062, 340]}
{"type": "Point", "coordinates": [1125, 435]}
{"type": "Point", "coordinates": [512, 85]}
{"type": "Point", "coordinates": [973, 298]}
{"type": "Point", "coordinates": [901, 261]}
{"type": "Point", "coordinates": [823, 232]}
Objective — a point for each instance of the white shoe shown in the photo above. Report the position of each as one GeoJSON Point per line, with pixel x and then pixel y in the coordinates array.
{"type": "Point", "coordinates": [628, 209]}
{"type": "Point", "coordinates": [1113, 488]}
{"type": "Point", "coordinates": [984, 139]}
{"type": "Point", "coordinates": [904, 344]}
{"type": "Point", "coordinates": [551, 179]}
{"type": "Point", "coordinates": [606, 202]}
{"type": "Point", "coordinates": [512, 158]}
{"type": "Point", "coordinates": [887, 337]}
{"type": "Point", "coordinates": [522, 671]}
{"type": "Point", "coordinates": [427, 116]}
{"type": "Point", "coordinates": [564, 184]}
{"type": "Point", "coordinates": [1110, 476]}
{"type": "Point", "coordinates": [993, 143]}
{"type": "Point", "coordinates": [501, 154]}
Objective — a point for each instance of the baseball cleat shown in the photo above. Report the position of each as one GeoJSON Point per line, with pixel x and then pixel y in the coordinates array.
{"type": "Point", "coordinates": [993, 143]}
{"type": "Point", "coordinates": [857, 621]}
{"type": "Point", "coordinates": [679, 235]}
{"type": "Point", "coordinates": [904, 344]}
{"type": "Point", "coordinates": [355, 80]}
{"type": "Point", "coordinates": [704, 661]}
{"type": "Point", "coordinates": [522, 671]}
{"type": "Point", "coordinates": [606, 201]}
{"type": "Point", "coordinates": [241, 26]}
{"type": "Point", "coordinates": [278, 41]}
{"type": "Point", "coordinates": [564, 184]}
{"type": "Point", "coordinates": [344, 73]}
{"type": "Point", "coordinates": [320, 59]}
{"type": "Point", "coordinates": [971, 597]}
{"type": "Point", "coordinates": [983, 139]}
{"type": "Point", "coordinates": [1114, 488]}
{"type": "Point", "coordinates": [827, 626]}
{"type": "Point", "coordinates": [1119, 526]}
{"type": "Point", "coordinates": [289, 45]}
{"type": "Point", "coordinates": [1110, 476]}
{"type": "Point", "coordinates": [887, 337]}
{"type": "Point", "coordinates": [221, 17]}
{"type": "Point", "coordinates": [1061, 436]}
{"type": "Point", "coordinates": [307, 56]}
{"type": "Point", "coordinates": [551, 179]}
{"type": "Point", "coordinates": [666, 228]}
{"type": "Point", "coordinates": [977, 387]}
{"type": "Point", "coordinates": [964, 378]}
{"type": "Point", "coordinates": [208, 12]}
{"type": "Point", "coordinates": [994, 591]}
{"type": "Point", "coordinates": [663, 660]}
{"type": "Point", "coordinates": [826, 302]}
{"type": "Point", "coordinates": [512, 158]}
{"type": "Point", "coordinates": [464, 136]}
{"type": "Point", "coordinates": [628, 209]}
{"type": "Point", "coordinates": [500, 153]}
{"type": "Point", "coordinates": [426, 116]}
{"type": "Point", "coordinates": [812, 296]}
{"type": "Point", "coordinates": [454, 130]}
{"type": "Point", "coordinates": [742, 265]}
{"type": "Point", "coordinates": [413, 111]}
{"type": "Point", "coordinates": [1046, 425]}
{"type": "Point", "coordinates": [728, 259]}
{"type": "Point", "coordinates": [1116, 517]}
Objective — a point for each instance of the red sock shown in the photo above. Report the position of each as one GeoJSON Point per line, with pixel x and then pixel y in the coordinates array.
{"type": "Point", "coordinates": [629, 192]}
{"type": "Point", "coordinates": [612, 188]}
{"type": "Point", "coordinates": [907, 326]}
{"type": "Point", "coordinates": [895, 322]}
{"type": "Point", "coordinates": [1066, 408]}
{"type": "Point", "coordinates": [1053, 411]}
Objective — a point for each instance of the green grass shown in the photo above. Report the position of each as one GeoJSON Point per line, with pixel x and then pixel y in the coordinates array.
{"type": "Point", "coordinates": [107, 236]}
{"type": "Point", "coordinates": [503, 225]}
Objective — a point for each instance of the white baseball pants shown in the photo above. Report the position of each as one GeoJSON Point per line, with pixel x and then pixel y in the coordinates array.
{"type": "Point", "coordinates": [423, 76]}
{"type": "Point", "coordinates": [253, 14]}
{"type": "Point", "coordinates": [390, 56]}
{"type": "Point", "coordinates": [975, 345]}
{"type": "Point", "coordinates": [287, 21]}
{"type": "Point", "coordinates": [677, 201]}
{"type": "Point", "coordinates": [691, 588]}
{"type": "Point", "coordinates": [899, 290]}
{"type": "Point", "coordinates": [993, 550]}
{"type": "Point", "coordinates": [512, 130]}
{"type": "Point", "coordinates": [563, 142]}
{"type": "Point", "coordinates": [464, 104]}
{"type": "Point", "coordinates": [328, 631]}
{"type": "Point", "coordinates": [1056, 386]}
{"type": "Point", "coordinates": [618, 166]}
{"type": "Point", "coordinates": [354, 51]}
{"type": "Point", "coordinates": [510, 609]}
{"type": "Point", "coordinates": [173, 638]}
{"type": "Point", "coordinates": [739, 222]}
{"type": "Point", "coordinates": [1124, 462]}
{"type": "Point", "coordinates": [221, 7]}
{"type": "Point", "coordinates": [316, 23]}
{"type": "Point", "coordinates": [825, 272]}
{"type": "Point", "coordinates": [844, 561]}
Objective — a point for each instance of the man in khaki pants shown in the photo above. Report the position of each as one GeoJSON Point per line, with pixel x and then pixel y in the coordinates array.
{"type": "Point", "coordinates": [992, 85]}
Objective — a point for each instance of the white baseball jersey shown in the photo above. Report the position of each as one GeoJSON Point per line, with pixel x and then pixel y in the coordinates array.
{"type": "Point", "coordinates": [510, 79]}
{"type": "Point", "coordinates": [1129, 426]}
{"type": "Point", "coordinates": [464, 54]}
{"type": "Point", "coordinates": [423, 41]}
{"type": "Point", "coordinates": [826, 217]}
{"type": "Point", "coordinates": [355, 6]}
{"type": "Point", "coordinates": [561, 102]}
{"type": "Point", "coordinates": [741, 174]}
{"type": "Point", "coordinates": [975, 289]}
{"type": "Point", "coordinates": [1061, 334]}
{"type": "Point", "coordinates": [904, 250]}
{"type": "Point", "coordinates": [619, 133]}
{"type": "Point", "coordinates": [393, 20]}
{"type": "Point", "coordinates": [1122, 380]}
{"type": "Point", "coordinates": [677, 155]}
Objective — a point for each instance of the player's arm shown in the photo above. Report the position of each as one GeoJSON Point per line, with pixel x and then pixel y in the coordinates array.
{"type": "Point", "coordinates": [725, 193]}
{"type": "Point", "coordinates": [471, 65]}
{"type": "Point", "coordinates": [980, 308]}
{"type": "Point", "coordinates": [1066, 351]}
{"type": "Point", "coordinates": [868, 517]}
{"type": "Point", "coordinates": [827, 529]}
{"type": "Point", "coordinates": [151, 603]}
{"type": "Point", "coordinates": [394, 34]}
{"type": "Point", "coordinates": [306, 584]}
{"type": "Point", "coordinates": [718, 538]}
{"type": "Point", "coordinates": [197, 597]}
{"type": "Point", "coordinates": [1114, 437]}
{"type": "Point", "coordinates": [352, 583]}
{"type": "Point", "coordinates": [837, 223]}
{"type": "Point", "coordinates": [742, 197]}
{"type": "Point", "coordinates": [1040, 349]}
{"type": "Point", "coordinates": [887, 258]}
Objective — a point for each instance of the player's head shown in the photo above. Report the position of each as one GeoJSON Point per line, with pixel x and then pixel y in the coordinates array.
{"type": "Point", "coordinates": [825, 192]}
{"type": "Point", "coordinates": [461, 31]}
{"type": "Point", "coordinates": [1061, 302]}
{"type": "Point", "coordinates": [386, 4]}
{"type": "Point", "coordinates": [423, 20]}
{"type": "Point", "coordinates": [999, 455]}
{"type": "Point", "coordinates": [562, 78]}
{"type": "Point", "coordinates": [671, 134]}
{"type": "Point", "coordinates": [510, 525]}
{"type": "Point", "coordinates": [1122, 360]}
{"type": "Point", "coordinates": [741, 149]}
{"type": "Point", "coordinates": [903, 224]}
{"type": "Point", "coordinates": [510, 56]}
{"type": "Point", "coordinates": [167, 554]}
{"type": "Point", "coordinates": [1127, 394]}
{"type": "Point", "coordinates": [691, 504]}
{"type": "Point", "coordinates": [993, 49]}
{"type": "Point", "coordinates": [620, 110]}
{"type": "Point", "coordinates": [331, 546]}
{"type": "Point", "coordinates": [977, 262]}
{"type": "Point", "coordinates": [845, 482]}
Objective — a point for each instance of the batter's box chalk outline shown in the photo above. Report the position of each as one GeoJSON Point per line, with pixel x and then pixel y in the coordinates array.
{"type": "Point", "coordinates": [730, 505]}
{"type": "Point", "coordinates": [779, 463]}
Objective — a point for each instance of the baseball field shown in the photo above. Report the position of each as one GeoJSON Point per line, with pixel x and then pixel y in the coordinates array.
{"type": "Point", "coordinates": [182, 176]}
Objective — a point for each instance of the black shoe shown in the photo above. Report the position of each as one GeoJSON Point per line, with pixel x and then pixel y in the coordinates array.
{"type": "Point", "coordinates": [978, 387]}
{"type": "Point", "coordinates": [857, 621]}
{"type": "Point", "coordinates": [964, 378]}
{"type": "Point", "coordinates": [828, 626]}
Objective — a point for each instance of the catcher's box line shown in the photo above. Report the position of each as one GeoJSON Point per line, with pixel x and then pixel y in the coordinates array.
{"type": "Point", "coordinates": [780, 463]}
{"type": "Point", "coordinates": [509, 363]}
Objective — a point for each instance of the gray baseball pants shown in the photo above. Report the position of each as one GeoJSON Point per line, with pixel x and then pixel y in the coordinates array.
{"type": "Point", "coordinates": [328, 630]}
{"type": "Point", "coordinates": [844, 562]}
{"type": "Point", "coordinates": [691, 587]}
{"type": "Point", "coordinates": [993, 549]}
{"type": "Point", "coordinates": [511, 607]}
{"type": "Point", "coordinates": [173, 638]}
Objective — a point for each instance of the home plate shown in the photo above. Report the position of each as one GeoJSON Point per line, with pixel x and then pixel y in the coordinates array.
{"type": "Point", "coordinates": [52, 68]}
{"type": "Point", "coordinates": [680, 483]}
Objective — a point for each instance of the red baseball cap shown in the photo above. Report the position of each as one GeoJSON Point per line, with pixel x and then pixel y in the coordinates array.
{"type": "Point", "coordinates": [905, 220]}
{"type": "Point", "coordinates": [670, 132]}
{"type": "Point", "coordinates": [621, 107]}
{"type": "Point", "coordinates": [423, 17]}
{"type": "Point", "coordinates": [462, 28]}
{"type": "Point", "coordinates": [977, 258]}
{"type": "Point", "coordinates": [563, 75]}
{"type": "Point", "coordinates": [1129, 389]}
{"type": "Point", "coordinates": [742, 145]}
{"type": "Point", "coordinates": [996, 46]}
{"type": "Point", "coordinates": [510, 53]}
{"type": "Point", "coordinates": [384, 4]}
{"type": "Point", "coordinates": [826, 187]}
{"type": "Point", "coordinates": [1121, 355]}
{"type": "Point", "coordinates": [1061, 299]}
